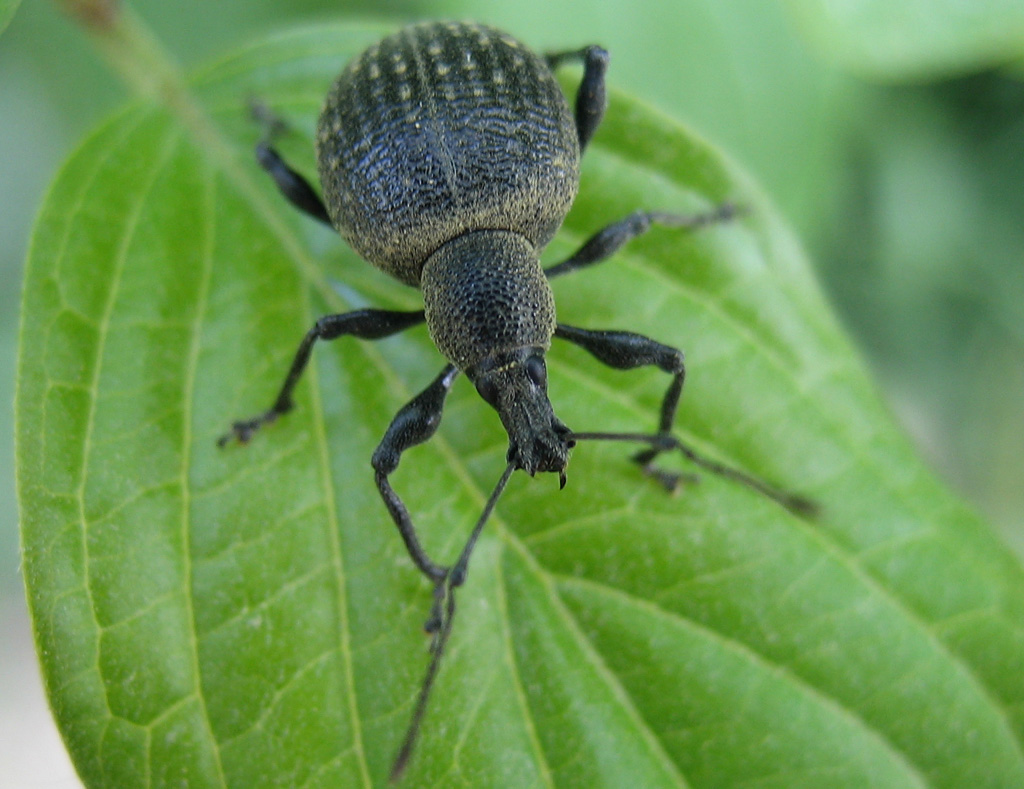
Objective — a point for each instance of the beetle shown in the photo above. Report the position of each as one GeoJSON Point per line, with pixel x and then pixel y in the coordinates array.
{"type": "Point", "coordinates": [448, 157]}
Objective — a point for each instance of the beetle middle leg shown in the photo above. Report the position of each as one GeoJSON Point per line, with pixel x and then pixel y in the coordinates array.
{"type": "Point", "coordinates": [608, 240]}
{"type": "Point", "coordinates": [366, 324]}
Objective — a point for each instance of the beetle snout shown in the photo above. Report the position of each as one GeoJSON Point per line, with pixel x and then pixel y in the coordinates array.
{"type": "Point", "coordinates": [543, 450]}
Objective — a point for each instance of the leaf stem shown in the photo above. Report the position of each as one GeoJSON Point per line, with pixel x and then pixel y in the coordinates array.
{"type": "Point", "coordinates": [136, 55]}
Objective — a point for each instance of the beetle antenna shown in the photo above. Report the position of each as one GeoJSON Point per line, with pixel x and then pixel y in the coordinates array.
{"type": "Point", "coordinates": [442, 624]}
{"type": "Point", "coordinates": [666, 442]}
{"type": "Point", "coordinates": [442, 614]}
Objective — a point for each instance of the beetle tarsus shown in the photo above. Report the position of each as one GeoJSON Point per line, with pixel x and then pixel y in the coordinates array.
{"type": "Point", "coordinates": [671, 481]}
{"type": "Point", "coordinates": [659, 443]}
{"type": "Point", "coordinates": [243, 430]}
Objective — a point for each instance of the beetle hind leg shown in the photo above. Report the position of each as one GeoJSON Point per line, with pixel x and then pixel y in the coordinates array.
{"type": "Point", "coordinates": [591, 99]}
{"type": "Point", "coordinates": [295, 188]}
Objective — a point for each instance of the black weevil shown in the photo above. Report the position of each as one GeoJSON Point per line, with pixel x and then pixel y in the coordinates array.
{"type": "Point", "coordinates": [448, 157]}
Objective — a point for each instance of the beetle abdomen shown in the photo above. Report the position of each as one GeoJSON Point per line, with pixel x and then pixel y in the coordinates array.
{"type": "Point", "coordinates": [442, 129]}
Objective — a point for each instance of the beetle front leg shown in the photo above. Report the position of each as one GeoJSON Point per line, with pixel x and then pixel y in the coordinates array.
{"type": "Point", "coordinates": [416, 422]}
{"type": "Point", "coordinates": [625, 350]}
{"type": "Point", "coordinates": [442, 612]}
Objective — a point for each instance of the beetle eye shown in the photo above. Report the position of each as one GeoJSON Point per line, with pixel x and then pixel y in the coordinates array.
{"type": "Point", "coordinates": [487, 389]}
{"type": "Point", "coordinates": [536, 370]}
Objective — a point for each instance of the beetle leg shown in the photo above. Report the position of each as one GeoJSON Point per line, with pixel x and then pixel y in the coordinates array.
{"type": "Point", "coordinates": [292, 185]}
{"type": "Point", "coordinates": [625, 350]}
{"type": "Point", "coordinates": [607, 241]}
{"type": "Point", "coordinates": [442, 612]}
{"type": "Point", "coordinates": [416, 422]}
{"type": "Point", "coordinates": [365, 324]}
{"type": "Point", "coordinates": [666, 442]}
{"type": "Point", "coordinates": [590, 97]}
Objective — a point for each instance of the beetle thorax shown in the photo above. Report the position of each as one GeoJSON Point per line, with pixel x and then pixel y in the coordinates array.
{"type": "Point", "coordinates": [485, 293]}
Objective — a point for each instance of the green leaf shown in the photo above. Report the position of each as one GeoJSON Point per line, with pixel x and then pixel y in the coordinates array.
{"type": "Point", "coordinates": [915, 39]}
{"type": "Point", "coordinates": [7, 9]}
{"type": "Point", "coordinates": [249, 617]}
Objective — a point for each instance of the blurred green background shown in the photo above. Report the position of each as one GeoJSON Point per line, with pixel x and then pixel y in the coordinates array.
{"type": "Point", "coordinates": [896, 149]}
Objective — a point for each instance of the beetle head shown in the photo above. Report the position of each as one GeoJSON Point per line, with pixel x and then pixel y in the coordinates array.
{"type": "Point", "coordinates": [515, 384]}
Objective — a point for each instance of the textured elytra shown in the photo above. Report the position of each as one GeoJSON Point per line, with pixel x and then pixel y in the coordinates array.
{"type": "Point", "coordinates": [485, 293]}
{"type": "Point", "coordinates": [442, 129]}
